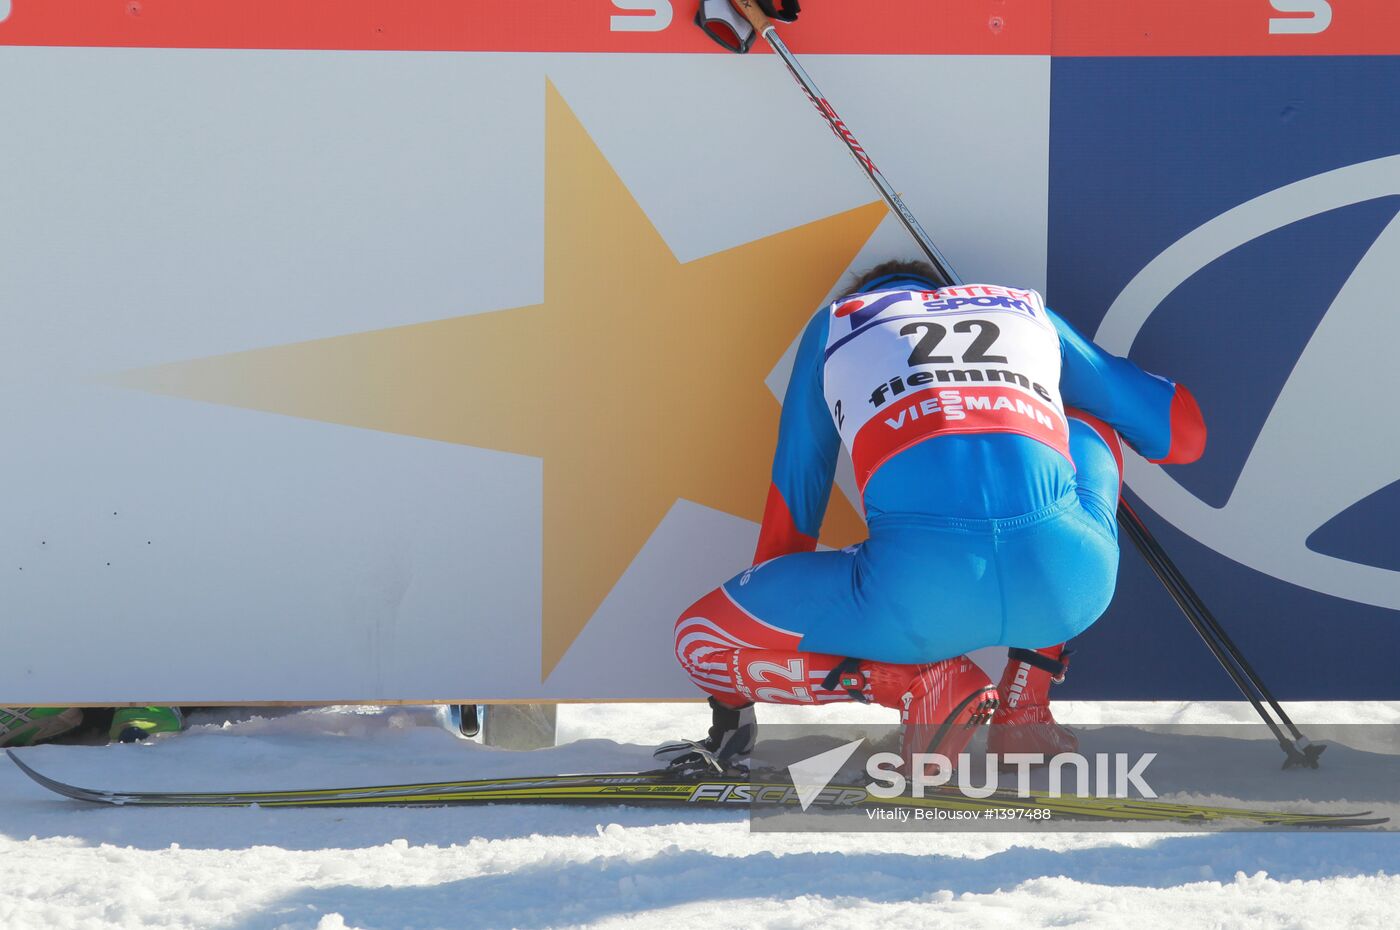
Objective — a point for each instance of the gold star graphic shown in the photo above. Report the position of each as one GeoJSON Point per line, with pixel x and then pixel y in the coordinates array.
{"type": "Point", "coordinates": [639, 380]}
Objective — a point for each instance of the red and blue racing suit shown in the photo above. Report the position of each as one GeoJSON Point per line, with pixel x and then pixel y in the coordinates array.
{"type": "Point", "coordinates": [984, 431]}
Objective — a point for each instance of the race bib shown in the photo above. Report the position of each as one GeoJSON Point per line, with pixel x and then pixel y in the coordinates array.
{"type": "Point", "coordinates": [903, 366]}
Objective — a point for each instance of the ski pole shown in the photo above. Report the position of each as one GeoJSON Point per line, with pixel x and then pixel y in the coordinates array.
{"type": "Point", "coordinates": [764, 27]}
{"type": "Point", "coordinates": [1299, 751]}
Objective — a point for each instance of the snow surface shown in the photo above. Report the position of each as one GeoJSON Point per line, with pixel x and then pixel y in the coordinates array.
{"type": "Point", "coordinates": [68, 866]}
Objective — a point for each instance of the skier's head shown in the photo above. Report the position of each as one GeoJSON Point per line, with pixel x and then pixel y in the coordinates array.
{"type": "Point", "coordinates": [893, 274]}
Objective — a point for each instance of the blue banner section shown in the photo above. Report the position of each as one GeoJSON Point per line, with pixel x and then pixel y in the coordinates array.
{"type": "Point", "coordinates": [1277, 302]}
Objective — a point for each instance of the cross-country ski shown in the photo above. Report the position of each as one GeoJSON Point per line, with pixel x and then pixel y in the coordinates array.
{"type": "Point", "coordinates": [651, 789]}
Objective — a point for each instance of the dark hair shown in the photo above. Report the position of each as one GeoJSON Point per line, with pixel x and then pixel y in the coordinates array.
{"type": "Point", "coordinates": [895, 266]}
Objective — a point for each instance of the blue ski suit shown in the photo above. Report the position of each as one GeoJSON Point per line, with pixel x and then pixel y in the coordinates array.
{"type": "Point", "coordinates": [984, 431]}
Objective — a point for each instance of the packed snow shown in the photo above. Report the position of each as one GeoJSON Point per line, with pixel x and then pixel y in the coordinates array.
{"type": "Point", "coordinates": [69, 866]}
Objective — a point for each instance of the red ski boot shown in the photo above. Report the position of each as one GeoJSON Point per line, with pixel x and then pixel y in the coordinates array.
{"type": "Point", "coordinates": [941, 705]}
{"type": "Point", "coordinates": [1024, 722]}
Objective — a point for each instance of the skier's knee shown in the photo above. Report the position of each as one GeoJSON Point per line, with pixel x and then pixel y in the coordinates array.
{"type": "Point", "coordinates": [686, 632]}
{"type": "Point", "coordinates": [697, 637]}
{"type": "Point", "coordinates": [709, 634]}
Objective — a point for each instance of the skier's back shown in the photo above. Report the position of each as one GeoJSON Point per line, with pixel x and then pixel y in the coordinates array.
{"type": "Point", "coordinates": [984, 432]}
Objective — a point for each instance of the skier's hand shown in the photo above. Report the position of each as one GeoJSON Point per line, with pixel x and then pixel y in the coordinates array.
{"type": "Point", "coordinates": [731, 28]}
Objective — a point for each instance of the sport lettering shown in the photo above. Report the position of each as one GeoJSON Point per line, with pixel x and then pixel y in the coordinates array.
{"type": "Point", "coordinates": [957, 303]}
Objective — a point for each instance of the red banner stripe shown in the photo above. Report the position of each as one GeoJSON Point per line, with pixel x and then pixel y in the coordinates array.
{"type": "Point", "coordinates": [895, 27]}
{"type": "Point", "coordinates": [961, 27]}
{"type": "Point", "coordinates": [1225, 27]}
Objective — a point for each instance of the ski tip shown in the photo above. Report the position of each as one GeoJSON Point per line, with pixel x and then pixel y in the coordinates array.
{"type": "Point", "coordinates": [25, 767]}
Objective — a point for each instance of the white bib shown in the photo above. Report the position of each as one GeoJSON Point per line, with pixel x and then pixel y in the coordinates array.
{"type": "Point", "coordinates": [902, 366]}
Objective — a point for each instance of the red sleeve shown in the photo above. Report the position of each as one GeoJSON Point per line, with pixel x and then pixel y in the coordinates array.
{"type": "Point", "coordinates": [779, 534]}
{"type": "Point", "coordinates": [1188, 430]}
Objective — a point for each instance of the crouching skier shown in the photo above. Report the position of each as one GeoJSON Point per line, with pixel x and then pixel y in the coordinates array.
{"type": "Point", "coordinates": [984, 431]}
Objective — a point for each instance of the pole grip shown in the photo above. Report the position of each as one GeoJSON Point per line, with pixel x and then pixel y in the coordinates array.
{"type": "Point", "coordinates": [756, 17]}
